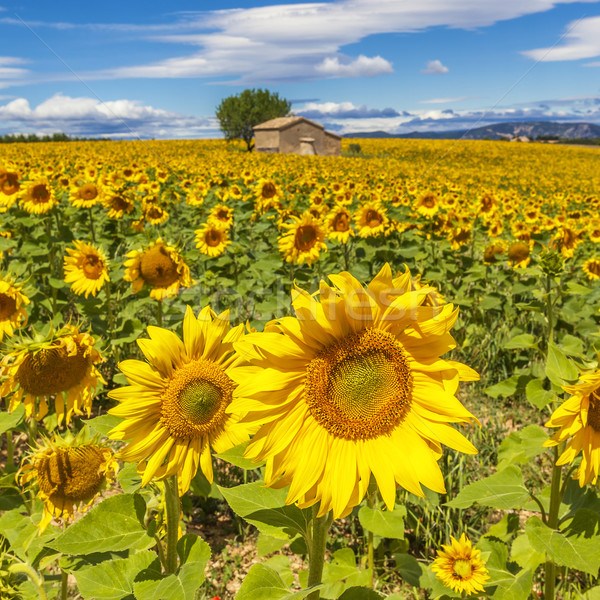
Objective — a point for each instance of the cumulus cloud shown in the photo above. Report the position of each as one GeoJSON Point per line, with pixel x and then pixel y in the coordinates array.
{"type": "Point", "coordinates": [91, 118]}
{"type": "Point", "coordinates": [435, 67]}
{"type": "Point", "coordinates": [363, 66]}
{"type": "Point", "coordinates": [344, 110]}
{"type": "Point", "coordinates": [581, 40]}
{"type": "Point", "coordinates": [295, 42]}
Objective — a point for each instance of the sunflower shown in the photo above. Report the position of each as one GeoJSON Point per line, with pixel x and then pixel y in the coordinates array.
{"type": "Point", "coordinates": [303, 240]}
{"type": "Point", "coordinates": [174, 409]}
{"type": "Point", "coordinates": [154, 213]}
{"type": "Point", "coordinates": [62, 366]}
{"type": "Point", "coordinates": [459, 566]}
{"type": "Point", "coordinates": [339, 224]}
{"type": "Point", "coordinates": [9, 183]}
{"type": "Point", "coordinates": [579, 419]}
{"type": "Point", "coordinates": [353, 386]}
{"type": "Point", "coordinates": [68, 473]}
{"type": "Point", "coordinates": [212, 239]}
{"type": "Point", "coordinates": [427, 205]}
{"type": "Point", "coordinates": [85, 268]}
{"type": "Point", "coordinates": [371, 219]}
{"type": "Point", "coordinates": [492, 251]}
{"type": "Point", "coordinates": [267, 195]}
{"type": "Point", "coordinates": [12, 313]}
{"type": "Point", "coordinates": [161, 267]}
{"type": "Point", "coordinates": [221, 215]}
{"type": "Point", "coordinates": [591, 268]}
{"type": "Point", "coordinates": [39, 197]}
{"type": "Point", "coordinates": [85, 194]}
{"type": "Point", "coordinates": [117, 204]}
{"type": "Point", "coordinates": [519, 254]}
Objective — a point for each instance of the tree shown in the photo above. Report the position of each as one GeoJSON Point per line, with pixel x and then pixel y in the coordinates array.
{"type": "Point", "coordinates": [239, 114]}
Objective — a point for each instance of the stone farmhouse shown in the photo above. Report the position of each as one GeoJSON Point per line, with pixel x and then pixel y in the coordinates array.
{"type": "Point", "coordinates": [296, 135]}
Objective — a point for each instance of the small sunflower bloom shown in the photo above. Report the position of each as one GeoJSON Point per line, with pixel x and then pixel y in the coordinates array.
{"type": "Point", "coordinates": [85, 194]}
{"type": "Point", "coordinates": [579, 419]}
{"type": "Point", "coordinates": [427, 205]}
{"type": "Point", "coordinates": [69, 475]}
{"type": "Point", "coordinates": [339, 224]}
{"type": "Point", "coordinates": [12, 313]}
{"type": "Point", "coordinates": [85, 268]}
{"type": "Point", "coordinates": [39, 197]}
{"type": "Point", "coordinates": [62, 367]}
{"type": "Point", "coordinates": [303, 240]}
{"type": "Point", "coordinates": [371, 219]}
{"type": "Point", "coordinates": [159, 266]}
{"type": "Point", "coordinates": [212, 239]}
{"type": "Point", "coordinates": [460, 567]}
{"type": "Point", "coordinates": [117, 204]}
{"type": "Point", "coordinates": [221, 215]}
{"type": "Point", "coordinates": [591, 268]}
{"type": "Point", "coordinates": [174, 410]}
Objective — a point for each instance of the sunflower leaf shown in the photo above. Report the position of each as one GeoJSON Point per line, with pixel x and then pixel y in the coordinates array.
{"type": "Point", "coordinates": [521, 446]}
{"type": "Point", "coordinates": [264, 583]}
{"type": "Point", "coordinates": [559, 369]}
{"type": "Point", "coordinates": [385, 523]}
{"type": "Point", "coordinates": [11, 420]}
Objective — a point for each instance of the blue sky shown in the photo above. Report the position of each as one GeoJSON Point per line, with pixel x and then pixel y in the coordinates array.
{"type": "Point", "coordinates": [158, 70]}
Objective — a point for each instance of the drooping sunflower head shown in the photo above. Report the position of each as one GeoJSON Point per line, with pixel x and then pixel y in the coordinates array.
{"type": "Point", "coordinates": [86, 268]}
{"type": "Point", "coordinates": [519, 254]}
{"type": "Point", "coordinates": [460, 567]}
{"type": "Point", "coordinates": [356, 380]}
{"type": "Point", "coordinates": [69, 473]}
{"type": "Point", "coordinates": [591, 267]}
{"type": "Point", "coordinates": [159, 266]}
{"type": "Point", "coordinates": [492, 251]}
{"type": "Point", "coordinates": [117, 204]}
{"type": "Point", "coordinates": [12, 312]}
{"type": "Point", "coordinates": [62, 367]}
{"type": "Point", "coordinates": [212, 239]}
{"type": "Point", "coordinates": [39, 196]}
{"type": "Point", "coordinates": [186, 390]}
{"type": "Point", "coordinates": [303, 240]}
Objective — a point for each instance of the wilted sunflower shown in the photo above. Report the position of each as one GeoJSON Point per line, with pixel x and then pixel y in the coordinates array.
{"type": "Point", "coordinates": [459, 566]}
{"type": "Point", "coordinates": [579, 419]}
{"type": "Point", "coordinates": [117, 204]}
{"type": "Point", "coordinates": [339, 224]}
{"type": "Point", "coordinates": [68, 473]}
{"type": "Point", "coordinates": [62, 367]}
{"type": "Point", "coordinates": [303, 240]}
{"type": "Point", "coordinates": [519, 254]}
{"type": "Point", "coordinates": [39, 197]}
{"type": "Point", "coordinates": [161, 267]}
{"type": "Point", "coordinates": [85, 268]}
{"type": "Point", "coordinates": [212, 239]}
{"type": "Point", "coordinates": [591, 268]}
{"type": "Point", "coordinates": [174, 409]}
{"type": "Point", "coordinates": [12, 313]}
{"type": "Point", "coordinates": [353, 386]}
{"type": "Point", "coordinates": [492, 251]}
{"type": "Point", "coordinates": [371, 219]}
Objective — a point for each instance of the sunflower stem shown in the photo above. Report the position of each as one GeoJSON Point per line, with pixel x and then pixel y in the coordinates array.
{"type": "Point", "coordinates": [549, 315]}
{"type": "Point", "coordinates": [64, 582]}
{"type": "Point", "coordinates": [159, 313]}
{"type": "Point", "coordinates": [92, 231]}
{"type": "Point", "coordinates": [173, 510]}
{"type": "Point", "coordinates": [33, 575]}
{"type": "Point", "coordinates": [316, 550]}
{"type": "Point", "coordinates": [10, 447]}
{"type": "Point", "coordinates": [555, 498]}
{"type": "Point", "coordinates": [371, 503]}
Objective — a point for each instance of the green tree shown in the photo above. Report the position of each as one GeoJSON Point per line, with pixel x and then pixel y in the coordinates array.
{"type": "Point", "coordinates": [239, 114]}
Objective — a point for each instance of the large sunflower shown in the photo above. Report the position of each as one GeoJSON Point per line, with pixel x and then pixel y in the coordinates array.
{"type": "Point", "coordinates": [212, 239]}
{"type": "Point", "coordinates": [12, 313]}
{"type": "Point", "coordinates": [39, 197]}
{"type": "Point", "coordinates": [62, 367]}
{"type": "Point", "coordinates": [579, 419]}
{"type": "Point", "coordinates": [68, 473]}
{"type": "Point", "coordinates": [353, 386]}
{"type": "Point", "coordinates": [339, 224]}
{"type": "Point", "coordinates": [161, 267]}
{"type": "Point", "coordinates": [303, 240]}
{"type": "Point", "coordinates": [85, 194]}
{"type": "Point", "coordinates": [174, 409]}
{"type": "Point", "coordinates": [85, 268]}
{"type": "Point", "coordinates": [371, 219]}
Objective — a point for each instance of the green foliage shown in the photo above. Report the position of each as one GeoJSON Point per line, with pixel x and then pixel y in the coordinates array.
{"type": "Point", "coordinates": [238, 114]}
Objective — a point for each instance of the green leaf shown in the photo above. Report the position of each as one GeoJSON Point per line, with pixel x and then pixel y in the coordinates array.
{"type": "Point", "coordinates": [592, 594]}
{"type": "Point", "coordinates": [265, 508]}
{"type": "Point", "coordinates": [11, 420]}
{"type": "Point", "coordinates": [266, 544]}
{"type": "Point", "coordinates": [264, 583]}
{"type": "Point", "coordinates": [537, 395]}
{"type": "Point", "coordinates": [103, 424]}
{"type": "Point", "coordinates": [523, 553]}
{"type": "Point", "coordinates": [409, 568]}
{"type": "Point", "coordinates": [360, 593]}
{"type": "Point", "coordinates": [194, 554]}
{"type": "Point", "coordinates": [128, 478]}
{"type": "Point", "coordinates": [341, 573]}
{"type": "Point", "coordinates": [114, 524]}
{"type": "Point", "coordinates": [521, 446]}
{"type": "Point", "coordinates": [504, 489]}
{"type": "Point", "coordinates": [114, 579]}
{"type": "Point", "coordinates": [235, 456]}
{"type": "Point", "coordinates": [559, 369]}
{"type": "Point", "coordinates": [581, 550]}
{"type": "Point", "coordinates": [385, 523]}
{"type": "Point", "coordinates": [572, 346]}
{"type": "Point", "coordinates": [281, 564]}
{"type": "Point", "coordinates": [524, 340]}
{"type": "Point", "coordinates": [508, 387]}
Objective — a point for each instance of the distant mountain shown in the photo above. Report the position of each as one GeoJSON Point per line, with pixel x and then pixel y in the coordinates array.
{"type": "Point", "coordinates": [498, 131]}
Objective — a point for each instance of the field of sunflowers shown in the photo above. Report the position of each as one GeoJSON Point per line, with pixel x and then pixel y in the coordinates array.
{"type": "Point", "coordinates": [257, 376]}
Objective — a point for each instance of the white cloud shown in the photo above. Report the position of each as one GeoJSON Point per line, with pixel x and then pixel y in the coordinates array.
{"type": "Point", "coordinates": [581, 40]}
{"type": "Point", "coordinates": [363, 66]}
{"type": "Point", "coordinates": [8, 70]}
{"type": "Point", "coordinates": [296, 42]}
{"type": "Point", "coordinates": [435, 67]}
{"type": "Point", "coordinates": [90, 117]}
{"type": "Point", "coordinates": [343, 110]}
{"type": "Point", "coordinates": [444, 100]}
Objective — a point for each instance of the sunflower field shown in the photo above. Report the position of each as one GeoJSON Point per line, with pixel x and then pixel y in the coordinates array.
{"type": "Point", "coordinates": [260, 376]}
